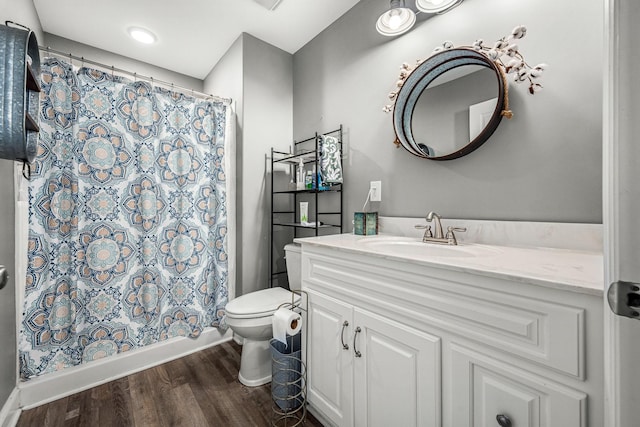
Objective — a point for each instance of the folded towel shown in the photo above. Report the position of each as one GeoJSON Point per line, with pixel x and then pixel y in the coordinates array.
{"type": "Point", "coordinates": [331, 168]}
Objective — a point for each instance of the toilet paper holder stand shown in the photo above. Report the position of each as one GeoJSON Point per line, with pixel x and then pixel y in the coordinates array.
{"type": "Point", "coordinates": [293, 415]}
{"type": "Point", "coordinates": [293, 305]}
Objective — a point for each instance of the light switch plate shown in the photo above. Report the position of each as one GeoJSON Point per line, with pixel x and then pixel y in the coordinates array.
{"type": "Point", "coordinates": [376, 191]}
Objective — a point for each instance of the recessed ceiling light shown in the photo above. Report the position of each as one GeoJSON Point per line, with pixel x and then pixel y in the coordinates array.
{"type": "Point", "coordinates": [142, 35]}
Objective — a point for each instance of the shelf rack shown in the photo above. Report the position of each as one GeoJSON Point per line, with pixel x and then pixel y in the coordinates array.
{"type": "Point", "coordinates": [309, 151]}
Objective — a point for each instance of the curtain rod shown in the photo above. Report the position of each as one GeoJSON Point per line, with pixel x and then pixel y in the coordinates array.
{"type": "Point", "coordinates": [134, 75]}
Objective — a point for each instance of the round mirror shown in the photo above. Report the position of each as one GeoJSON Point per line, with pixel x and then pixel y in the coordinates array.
{"type": "Point", "coordinates": [449, 105]}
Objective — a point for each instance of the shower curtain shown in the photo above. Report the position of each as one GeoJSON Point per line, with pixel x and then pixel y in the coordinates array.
{"type": "Point", "coordinates": [127, 219]}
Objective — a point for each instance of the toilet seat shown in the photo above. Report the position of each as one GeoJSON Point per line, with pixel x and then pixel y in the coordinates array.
{"type": "Point", "coordinates": [258, 304]}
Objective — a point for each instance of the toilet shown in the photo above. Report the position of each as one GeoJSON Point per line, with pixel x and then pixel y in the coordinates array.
{"type": "Point", "coordinates": [250, 317]}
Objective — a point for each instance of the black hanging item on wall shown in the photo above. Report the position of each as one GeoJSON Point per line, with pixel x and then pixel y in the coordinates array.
{"type": "Point", "coordinates": [19, 92]}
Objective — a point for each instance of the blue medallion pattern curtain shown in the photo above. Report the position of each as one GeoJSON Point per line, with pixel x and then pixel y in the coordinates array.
{"type": "Point", "coordinates": [127, 219]}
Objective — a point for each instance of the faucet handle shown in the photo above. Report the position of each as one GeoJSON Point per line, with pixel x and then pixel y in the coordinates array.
{"type": "Point", "coordinates": [427, 230]}
{"type": "Point", "coordinates": [451, 238]}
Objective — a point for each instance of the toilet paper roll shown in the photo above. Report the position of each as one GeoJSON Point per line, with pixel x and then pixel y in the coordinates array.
{"type": "Point", "coordinates": [285, 322]}
{"type": "Point", "coordinates": [282, 167]}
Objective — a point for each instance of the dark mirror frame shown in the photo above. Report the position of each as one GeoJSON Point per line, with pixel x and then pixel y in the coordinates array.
{"type": "Point", "coordinates": [418, 81]}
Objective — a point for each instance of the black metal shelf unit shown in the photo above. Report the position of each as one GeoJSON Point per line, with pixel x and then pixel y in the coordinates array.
{"type": "Point", "coordinates": [309, 151]}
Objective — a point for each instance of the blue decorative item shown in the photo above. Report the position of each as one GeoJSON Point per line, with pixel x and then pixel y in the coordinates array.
{"type": "Point", "coordinates": [371, 226]}
{"type": "Point", "coordinates": [286, 382]}
{"type": "Point", "coordinates": [359, 223]}
{"type": "Point", "coordinates": [330, 163]}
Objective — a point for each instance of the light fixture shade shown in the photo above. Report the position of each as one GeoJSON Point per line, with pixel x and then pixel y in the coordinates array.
{"type": "Point", "coordinates": [269, 4]}
{"type": "Point", "coordinates": [397, 20]}
{"type": "Point", "coordinates": [436, 6]}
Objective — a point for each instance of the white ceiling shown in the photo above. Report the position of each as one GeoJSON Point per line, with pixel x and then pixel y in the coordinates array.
{"type": "Point", "coordinates": [192, 34]}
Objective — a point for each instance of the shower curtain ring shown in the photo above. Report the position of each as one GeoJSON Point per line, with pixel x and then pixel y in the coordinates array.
{"type": "Point", "coordinates": [82, 62]}
{"type": "Point", "coordinates": [135, 77]}
{"type": "Point", "coordinates": [112, 70]}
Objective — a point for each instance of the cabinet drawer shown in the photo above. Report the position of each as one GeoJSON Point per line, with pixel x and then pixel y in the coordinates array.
{"type": "Point", "coordinates": [483, 388]}
{"type": "Point", "coordinates": [486, 310]}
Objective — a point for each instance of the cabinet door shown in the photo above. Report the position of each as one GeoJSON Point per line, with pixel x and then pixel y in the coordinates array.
{"type": "Point", "coordinates": [484, 389]}
{"type": "Point", "coordinates": [397, 375]}
{"type": "Point", "coordinates": [330, 365]}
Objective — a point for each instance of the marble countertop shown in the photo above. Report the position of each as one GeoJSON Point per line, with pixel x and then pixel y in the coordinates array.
{"type": "Point", "coordinates": [569, 269]}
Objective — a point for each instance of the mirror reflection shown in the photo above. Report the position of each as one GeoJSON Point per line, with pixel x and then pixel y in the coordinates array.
{"type": "Point", "coordinates": [454, 109]}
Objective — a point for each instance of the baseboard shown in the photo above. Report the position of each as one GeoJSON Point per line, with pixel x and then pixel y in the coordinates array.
{"type": "Point", "coordinates": [10, 412]}
{"type": "Point", "coordinates": [238, 339]}
{"type": "Point", "coordinates": [50, 387]}
{"type": "Point", "coordinates": [319, 416]}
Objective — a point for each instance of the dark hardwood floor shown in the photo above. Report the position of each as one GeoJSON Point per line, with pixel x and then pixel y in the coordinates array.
{"type": "Point", "coordinates": [201, 389]}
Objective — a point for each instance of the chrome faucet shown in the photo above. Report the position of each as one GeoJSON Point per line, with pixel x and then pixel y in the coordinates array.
{"type": "Point", "coordinates": [448, 239]}
{"type": "Point", "coordinates": [432, 216]}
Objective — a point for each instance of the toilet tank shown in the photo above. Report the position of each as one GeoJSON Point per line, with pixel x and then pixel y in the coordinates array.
{"type": "Point", "coordinates": [294, 265]}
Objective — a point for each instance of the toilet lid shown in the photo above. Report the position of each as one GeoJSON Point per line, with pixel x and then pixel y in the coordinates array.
{"type": "Point", "coordinates": [259, 303]}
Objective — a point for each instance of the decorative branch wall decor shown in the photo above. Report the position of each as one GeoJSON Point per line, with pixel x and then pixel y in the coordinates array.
{"type": "Point", "coordinates": [503, 57]}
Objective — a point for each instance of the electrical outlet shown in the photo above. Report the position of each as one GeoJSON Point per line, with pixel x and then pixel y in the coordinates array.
{"type": "Point", "coordinates": [376, 191]}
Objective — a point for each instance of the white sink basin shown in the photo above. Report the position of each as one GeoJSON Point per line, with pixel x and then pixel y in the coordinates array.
{"type": "Point", "coordinates": [407, 246]}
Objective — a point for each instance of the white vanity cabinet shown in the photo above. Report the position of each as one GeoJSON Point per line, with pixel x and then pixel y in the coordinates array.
{"type": "Point", "coordinates": [361, 364]}
{"type": "Point", "coordinates": [394, 342]}
{"type": "Point", "coordinates": [329, 365]}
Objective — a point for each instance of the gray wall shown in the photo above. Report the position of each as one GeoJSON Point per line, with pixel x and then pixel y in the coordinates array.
{"type": "Point", "coordinates": [118, 61]}
{"type": "Point", "coordinates": [265, 117]}
{"type": "Point", "coordinates": [543, 165]}
{"type": "Point", "coordinates": [23, 12]}
{"type": "Point", "coordinates": [268, 122]}
{"type": "Point", "coordinates": [225, 80]}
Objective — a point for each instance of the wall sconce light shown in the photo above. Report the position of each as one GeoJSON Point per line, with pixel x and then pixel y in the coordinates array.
{"type": "Point", "coordinates": [436, 6]}
{"type": "Point", "coordinates": [397, 20]}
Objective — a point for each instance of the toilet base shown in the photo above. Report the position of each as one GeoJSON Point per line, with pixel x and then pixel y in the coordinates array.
{"type": "Point", "coordinates": [255, 363]}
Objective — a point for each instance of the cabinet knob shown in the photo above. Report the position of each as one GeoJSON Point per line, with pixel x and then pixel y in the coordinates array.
{"type": "Point", "coordinates": [344, 346]}
{"type": "Point", "coordinates": [503, 420]}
